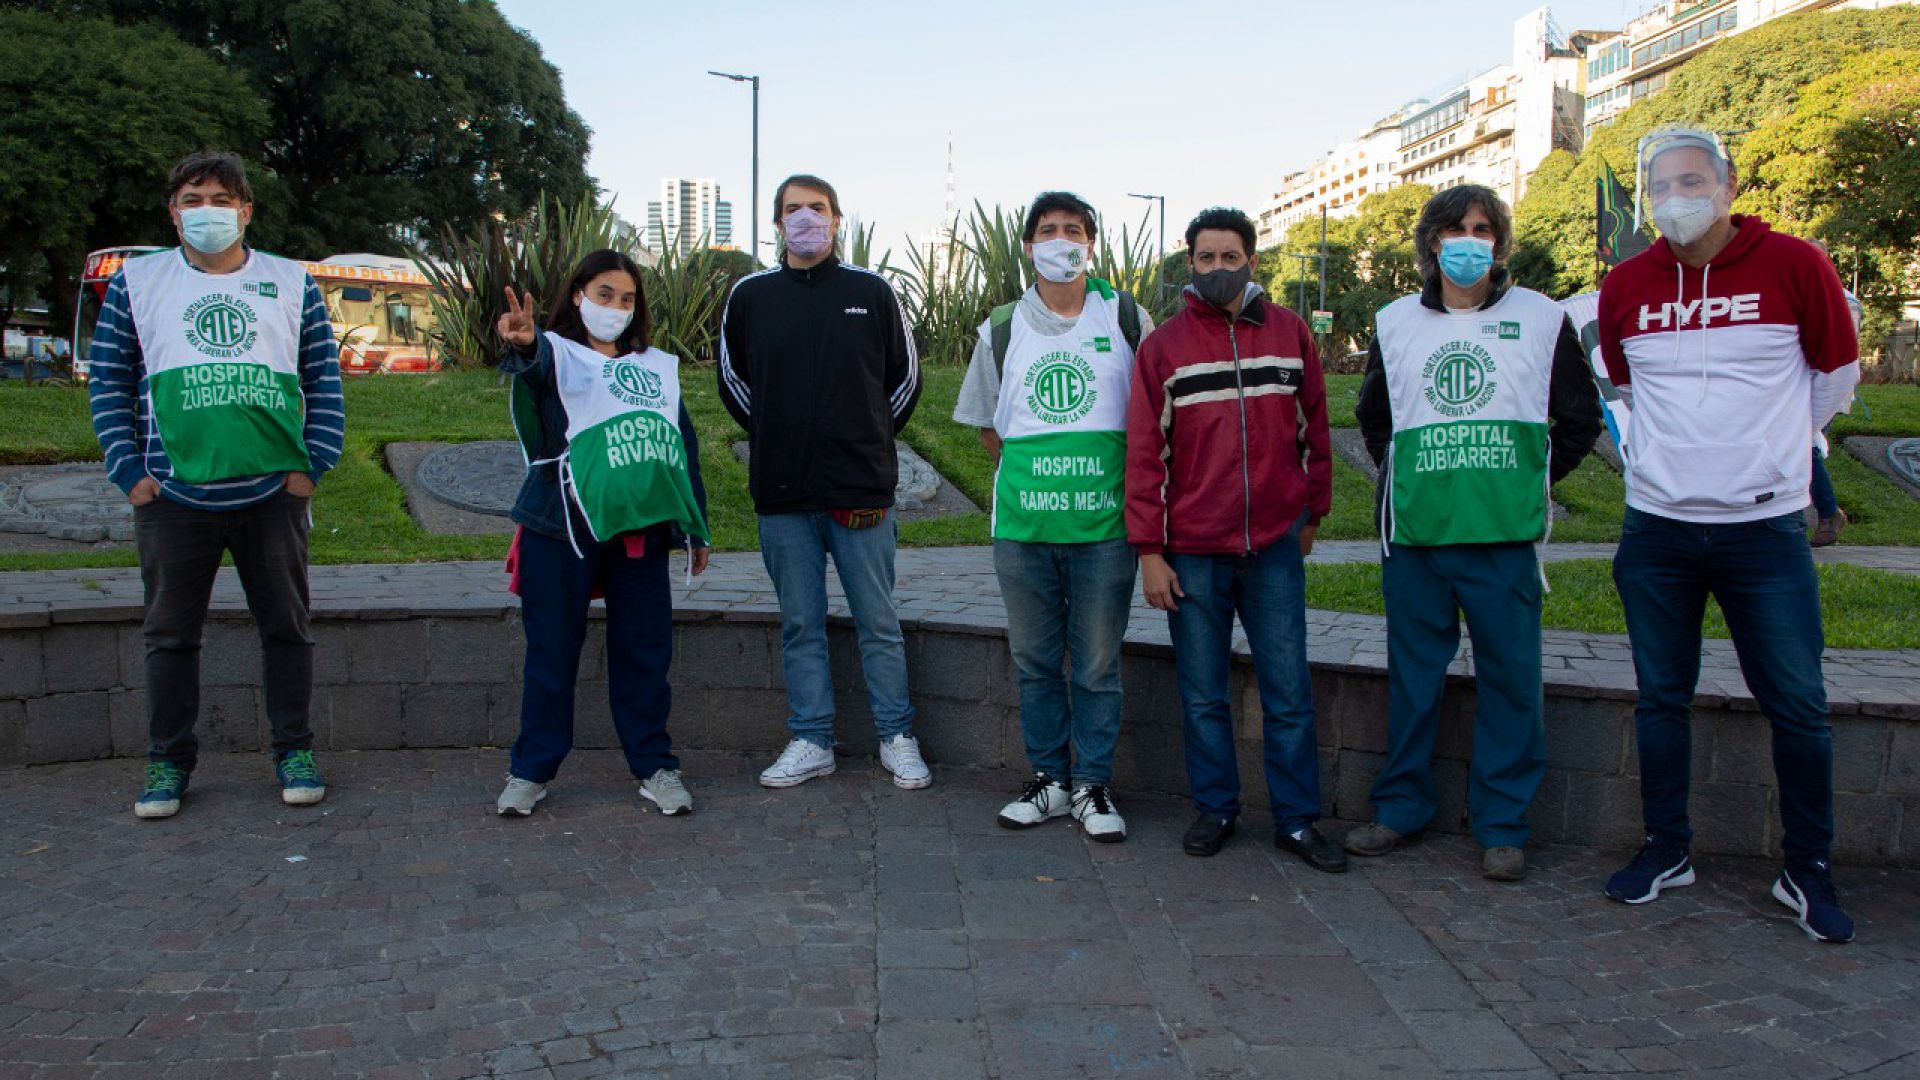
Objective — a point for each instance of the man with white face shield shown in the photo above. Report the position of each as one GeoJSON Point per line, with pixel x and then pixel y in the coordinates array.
{"type": "Point", "coordinates": [1048, 387]}
{"type": "Point", "coordinates": [1736, 346]}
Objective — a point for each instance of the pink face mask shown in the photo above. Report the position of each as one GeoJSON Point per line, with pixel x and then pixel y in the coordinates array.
{"type": "Point", "coordinates": [809, 233]}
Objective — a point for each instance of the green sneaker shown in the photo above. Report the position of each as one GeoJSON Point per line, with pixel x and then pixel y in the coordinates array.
{"type": "Point", "coordinates": [166, 782]}
{"type": "Point", "coordinates": [300, 783]}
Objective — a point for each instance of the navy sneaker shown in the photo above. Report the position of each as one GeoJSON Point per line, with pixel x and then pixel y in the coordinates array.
{"type": "Point", "coordinates": [300, 783]}
{"type": "Point", "coordinates": [1656, 868]}
{"type": "Point", "coordinates": [166, 782]}
{"type": "Point", "coordinates": [1808, 890]}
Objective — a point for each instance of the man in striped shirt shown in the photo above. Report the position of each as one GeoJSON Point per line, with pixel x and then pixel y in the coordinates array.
{"type": "Point", "coordinates": [215, 382]}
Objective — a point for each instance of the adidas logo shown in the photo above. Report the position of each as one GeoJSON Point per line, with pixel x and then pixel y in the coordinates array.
{"type": "Point", "coordinates": [856, 311]}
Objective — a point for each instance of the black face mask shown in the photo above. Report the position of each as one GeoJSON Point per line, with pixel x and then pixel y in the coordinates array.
{"type": "Point", "coordinates": [1222, 287]}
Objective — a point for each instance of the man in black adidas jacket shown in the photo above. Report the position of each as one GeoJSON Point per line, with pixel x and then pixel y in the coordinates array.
{"type": "Point", "coordinates": [817, 363]}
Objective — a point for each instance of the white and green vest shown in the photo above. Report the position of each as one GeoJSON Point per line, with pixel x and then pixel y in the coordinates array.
{"type": "Point", "coordinates": [625, 463]}
{"type": "Point", "coordinates": [1469, 395]}
{"type": "Point", "coordinates": [222, 353]}
{"type": "Point", "coordinates": [1062, 419]}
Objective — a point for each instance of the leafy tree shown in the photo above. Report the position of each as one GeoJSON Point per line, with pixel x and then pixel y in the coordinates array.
{"type": "Point", "coordinates": [1743, 87]}
{"type": "Point", "coordinates": [97, 114]}
{"type": "Point", "coordinates": [388, 119]}
{"type": "Point", "coordinates": [1370, 262]}
{"type": "Point", "coordinates": [1845, 166]}
{"type": "Point", "coordinates": [1554, 228]}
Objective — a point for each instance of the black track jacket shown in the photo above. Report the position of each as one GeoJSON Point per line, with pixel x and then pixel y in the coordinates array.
{"type": "Point", "coordinates": [819, 366]}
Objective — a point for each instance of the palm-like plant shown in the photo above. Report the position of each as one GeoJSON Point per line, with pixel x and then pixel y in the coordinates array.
{"type": "Point", "coordinates": [535, 254]}
{"type": "Point", "coordinates": [950, 287]}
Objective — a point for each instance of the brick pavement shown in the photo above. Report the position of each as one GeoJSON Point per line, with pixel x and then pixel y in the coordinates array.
{"type": "Point", "coordinates": [848, 929]}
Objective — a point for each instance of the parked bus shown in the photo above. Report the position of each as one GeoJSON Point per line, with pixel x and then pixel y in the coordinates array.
{"type": "Point", "coordinates": [379, 306]}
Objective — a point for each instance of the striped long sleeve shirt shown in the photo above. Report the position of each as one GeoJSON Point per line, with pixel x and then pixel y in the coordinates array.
{"type": "Point", "coordinates": [123, 419]}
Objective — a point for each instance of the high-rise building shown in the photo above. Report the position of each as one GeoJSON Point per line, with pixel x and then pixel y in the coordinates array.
{"type": "Point", "coordinates": [1495, 128]}
{"type": "Point", "coordinates": [1638, 61]}
{"type": "Point", "coordinates": [690, 214]}
{"type": "Point", "coordinates": [1492, 129]}
{"type": "Point", "coordinates": [1338, 181]}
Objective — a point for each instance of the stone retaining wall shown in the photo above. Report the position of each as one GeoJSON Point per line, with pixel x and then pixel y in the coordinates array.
{"type": "Point", "coordinates": [71, 689]}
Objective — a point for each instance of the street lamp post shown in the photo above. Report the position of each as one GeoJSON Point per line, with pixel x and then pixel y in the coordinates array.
{"type": "Point", "coordinates": [1304, 260]}
{"type": "Point", "coordinates": [1160, 267]}
{"type": "Point", "coordinates": [754, 214]}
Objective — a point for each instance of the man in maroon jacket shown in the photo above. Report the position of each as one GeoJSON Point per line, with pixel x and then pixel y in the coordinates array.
{"type": "Point", "coordinates": [1227, 479]}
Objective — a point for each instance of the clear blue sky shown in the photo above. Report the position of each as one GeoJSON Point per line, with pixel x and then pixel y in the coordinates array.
{"type": "Point", "coordinates": [1101, 99]}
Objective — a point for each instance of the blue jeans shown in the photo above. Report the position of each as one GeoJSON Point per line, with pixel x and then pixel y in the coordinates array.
{"type": "Point", "coordinates": [795, 549]}
{"type": "Point", "coordinates": [1268, 590]}
{"type": "Point", "coordinates": [1068, 599]}
{"type": "Point", "coordinates": [1761, 572]}
{"type": "Point", "coordinates": [1825, 503]}
{"type": "Point", "coordinates": [1426, 589]}
{"type": "Point", "coordinates": [555, 589]}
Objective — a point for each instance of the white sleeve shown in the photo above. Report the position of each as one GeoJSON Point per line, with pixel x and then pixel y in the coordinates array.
{"type": "Point", "coordinates": [1833, 393]}
{"type": "Point", "coordinates": [979, 396]}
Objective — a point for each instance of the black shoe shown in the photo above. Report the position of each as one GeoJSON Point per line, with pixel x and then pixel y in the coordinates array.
{"type": "Point", "coordinates": [1206, 834]}
{"type": "Point", "coordinates": [1315, 850]}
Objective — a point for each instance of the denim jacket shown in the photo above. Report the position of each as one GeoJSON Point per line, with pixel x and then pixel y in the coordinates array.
{"type": "Point", "coordinates": [541, 505]}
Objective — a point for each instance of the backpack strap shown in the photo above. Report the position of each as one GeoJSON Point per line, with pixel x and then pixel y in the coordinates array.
{"type": "Point", "coordinates": [1130, 320]}
{"type": "Point", "coordinates": [1000, 328]}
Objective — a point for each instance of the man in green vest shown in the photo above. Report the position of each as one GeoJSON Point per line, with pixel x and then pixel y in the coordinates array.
{"type": "Point", "coordinates": [1477, 394]}
{"type": "Point", "coordinates": [1048, 387]}
{"type": "Point", "coordinates": [215, 383]}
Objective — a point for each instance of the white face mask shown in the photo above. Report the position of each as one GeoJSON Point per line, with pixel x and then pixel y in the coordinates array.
{"type": "Point", "coordinates": [1060, 260]}
{"type": "Point", "coordinates": [1685, 218]}
{"type": "Point", "coordinates": [603, 323]}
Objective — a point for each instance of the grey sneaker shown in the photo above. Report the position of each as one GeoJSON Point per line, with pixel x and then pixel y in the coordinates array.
{"type": "Point", "coordinates": [519, 796]}
{"type": "Point", "coordinates": [900, 756]}
{"type": "Point", "coordinates": [1373, 839]}
{"type": "Point", "coordinates": [801, 761]}
{"type": "Point", "coordinates": [664, 790]}
{"type": "Point", "coordinates": [1503, 864]}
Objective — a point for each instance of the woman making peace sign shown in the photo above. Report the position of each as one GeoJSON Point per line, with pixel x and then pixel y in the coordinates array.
{"type": "Point", "coordinates": [613, 485]}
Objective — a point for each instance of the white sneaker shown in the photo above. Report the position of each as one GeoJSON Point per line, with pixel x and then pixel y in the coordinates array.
{"type": "Point", "coordinates": [1093, 808]}
{"type": "Point", "coordinates": [900, 756]}
{"type": "Point", "coordinates": [1043, 798]}
{"type": "Point", "coordinates": [664, 790]}
{"type": "Point", "coordinates": [800, 762]}
{"type": "Point", "coordinates": [519, 796]}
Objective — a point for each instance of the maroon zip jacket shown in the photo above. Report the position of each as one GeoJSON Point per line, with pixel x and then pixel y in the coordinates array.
{"type": "Point", "coordinates": [1226, 431]}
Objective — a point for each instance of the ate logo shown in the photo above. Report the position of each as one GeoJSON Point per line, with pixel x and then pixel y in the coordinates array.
{"type": "Point", "coordinates": [1060, 388]}
{"type": "Point", "coordinates": [1459, 378]}
{"type": "Point", "coordinates": [633, 383]}
{"type": "Point", "coordinates": [1678, 315]}
{"type": "Point", "coordinates": [221, 326]}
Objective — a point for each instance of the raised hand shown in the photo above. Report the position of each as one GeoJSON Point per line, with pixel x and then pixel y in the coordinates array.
{"type": "Point", "coordinates": [516, 325]}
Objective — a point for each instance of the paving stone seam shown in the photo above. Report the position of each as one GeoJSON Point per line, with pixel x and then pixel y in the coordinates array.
{"type": "Point", "coordinates": [1169, 1029]}
{"type": "Point", "coordinates": [1374, 970]}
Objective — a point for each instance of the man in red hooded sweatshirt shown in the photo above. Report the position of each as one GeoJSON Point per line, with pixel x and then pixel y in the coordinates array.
{"type": "Point", "coordinates": [1733, 345]}
{"type": "Point", "coordinates": [1227, 479]}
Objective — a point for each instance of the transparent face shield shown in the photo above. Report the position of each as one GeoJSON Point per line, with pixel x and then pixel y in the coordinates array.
{"type": "Point", "coordinates": [1658, 142]}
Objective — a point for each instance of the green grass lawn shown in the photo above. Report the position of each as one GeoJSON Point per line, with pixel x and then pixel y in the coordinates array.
{"type": "Point", "coordinates": [1860, 608]}
{"type": "Point", "coordinates": [360, 513]}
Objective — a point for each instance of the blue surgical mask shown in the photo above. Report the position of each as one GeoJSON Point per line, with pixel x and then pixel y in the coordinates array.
{"type": "Point", "coordinates": [1466, 259]}
{"type": "Point", "coordinates": [210, 230]}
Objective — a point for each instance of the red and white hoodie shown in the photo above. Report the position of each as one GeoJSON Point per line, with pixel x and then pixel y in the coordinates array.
{"type": "Point", "coordinates": [1731, 368]}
